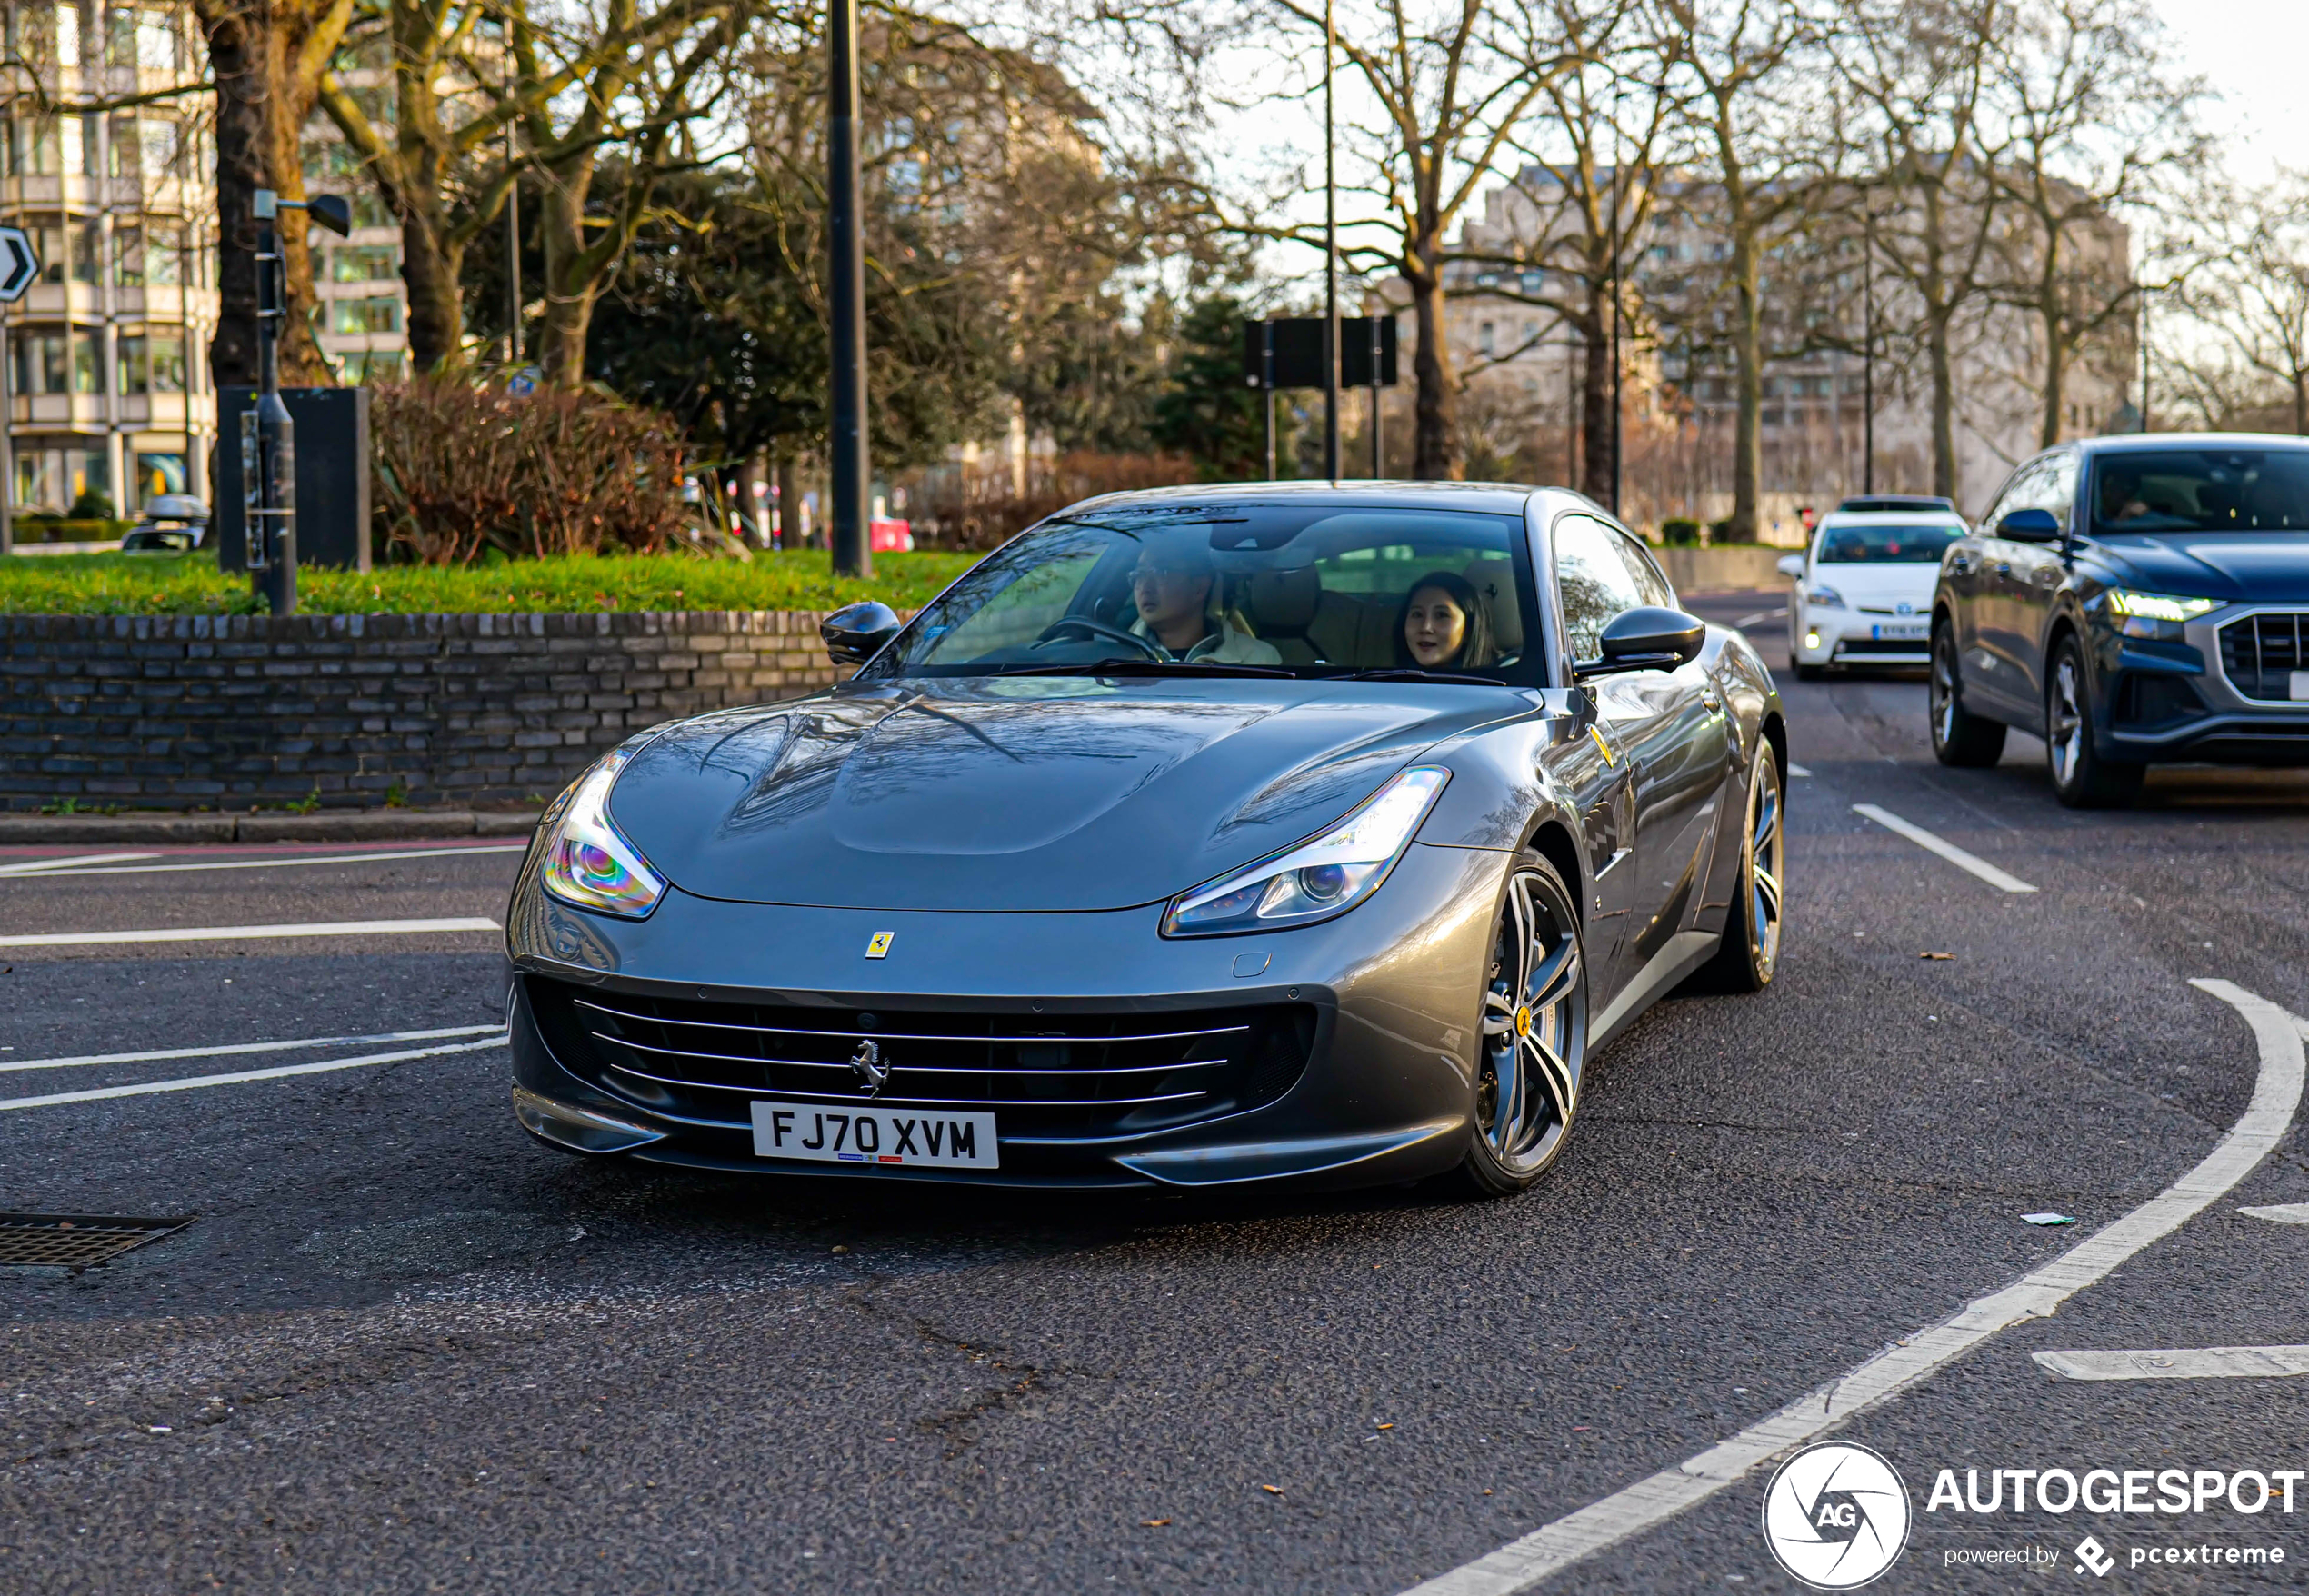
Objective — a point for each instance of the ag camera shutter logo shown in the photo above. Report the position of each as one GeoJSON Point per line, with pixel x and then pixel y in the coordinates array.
{"type": "Point", "coordinates": [1836, 1515]}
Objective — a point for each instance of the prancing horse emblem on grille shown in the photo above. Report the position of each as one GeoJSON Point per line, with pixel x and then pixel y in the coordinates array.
{"type": "Point", "coordinates": [867, 1063]}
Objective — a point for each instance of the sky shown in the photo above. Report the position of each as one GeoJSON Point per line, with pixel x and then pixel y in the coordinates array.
{"type": "Point", "coordinates": [2254, 52]}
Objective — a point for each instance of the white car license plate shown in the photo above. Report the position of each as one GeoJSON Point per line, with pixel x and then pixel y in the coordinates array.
{"type": "Point", "coordinates": [2297, 681]}
{"type": "Point", "coordinates": [909, 1137]}
{"type": "Point", "coordinates": [1898, 632]}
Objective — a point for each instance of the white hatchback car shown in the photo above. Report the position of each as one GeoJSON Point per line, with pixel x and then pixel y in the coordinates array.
{"type": "Point", "coordinates": [1864, 589]}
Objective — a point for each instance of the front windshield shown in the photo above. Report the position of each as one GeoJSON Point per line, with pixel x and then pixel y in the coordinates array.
{"type": "Point", "coordinates": [1886, 545]}
{"type": "Point", "coordinates": [2201, 490]}
{"type": "Point", "coordinates": [1258, 589]}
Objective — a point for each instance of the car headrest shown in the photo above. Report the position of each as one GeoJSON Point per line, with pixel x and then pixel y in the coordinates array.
{"type": "Point", "coordinates": [1495, 582]}
{"type": "Point", "coordinates": [1283, 601]}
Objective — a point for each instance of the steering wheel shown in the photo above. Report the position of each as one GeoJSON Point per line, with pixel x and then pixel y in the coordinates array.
{"type": "Point", "coordinates": [1084, 624]}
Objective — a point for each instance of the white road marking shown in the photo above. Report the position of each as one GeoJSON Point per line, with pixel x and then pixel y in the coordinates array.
{"type": "Point", "coordinates": [1945, 849]}
{"type": "Point", "coordinates": [1759, 618]}
{"type": "Point", "coordinates": [273, 864]}
{"type": "Point", "coordinates": [2179, 1363]}
{"type": "Point", "coordinates": [1797, 769]}
{"type": "Point", "coordinates": [2276, 1094]}
{"type": "Point", "coordinates": [38, 866]}
{"type": "Point", "coordinates": [234, 1049]}
{"type": "Point", "coordinates": [192, 1083]}
{"type": "Point", "coordinates": [2284, 1213]}
{"type": "Point", "coordinates": [209, 933]}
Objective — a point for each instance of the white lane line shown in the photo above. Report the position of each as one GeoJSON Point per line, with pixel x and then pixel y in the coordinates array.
{"type": "Point", "coordinates": [235, 1049]}
{"type": "Point", "coordinates": [37, 866]}
{"type": "Point", "coordinates": [1945, 849]}
{"type": "Point", "coordinates": [192, 1083]}
{"type": "Point", "coordinates": [2283, 1213]}
{"type": "Point", "coordinates": [270, 864]}
{"type": "Point", "coordinates": [1759, 618]}
{"type": "Point", "coordinates": [2276, 1094]}
{"type": "Point", "coordinates": [209, 933]}
{"type": "Point", "coordinates": [1797, 769]}
{"type": "Point", "coordinates": [2179, 1363]}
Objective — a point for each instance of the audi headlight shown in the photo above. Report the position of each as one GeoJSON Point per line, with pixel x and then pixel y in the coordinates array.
{"type": "Point", "coordinates": [1316, 879]}
{"type": "Point", "coordinates": [588, 862]}
{"type": "Point", "coordinates": [1826, 598]}
{"type": "Point", "coordinates": [2160, 606]}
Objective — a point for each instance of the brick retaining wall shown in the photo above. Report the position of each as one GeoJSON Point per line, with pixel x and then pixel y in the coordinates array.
{"type": "Point", "coordinates": [232, 712]}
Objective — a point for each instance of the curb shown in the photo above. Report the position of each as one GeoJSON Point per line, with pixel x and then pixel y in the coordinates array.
{"type": "Point", "coordinates": [368, 826]}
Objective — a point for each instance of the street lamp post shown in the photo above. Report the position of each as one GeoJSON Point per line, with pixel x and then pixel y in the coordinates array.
{"type": "Point", "coordinates": [268, 447]}
{"type": "Point", "coordinates": [1329, 256]}
{"type": "Point", "coordinates": [853, 556]}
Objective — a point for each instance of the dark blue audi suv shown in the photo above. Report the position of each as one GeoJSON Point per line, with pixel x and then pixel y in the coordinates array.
{"type": "Point", "coordinates": [2134, 601]}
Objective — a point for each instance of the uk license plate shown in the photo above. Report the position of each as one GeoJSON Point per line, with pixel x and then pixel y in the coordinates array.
{"type": "Point", "coordinates": [1898, 632]}
{"type": "Point", "coordinates": [2297, 681]}
{"type": "Point", "coordinates": [882, 1137]}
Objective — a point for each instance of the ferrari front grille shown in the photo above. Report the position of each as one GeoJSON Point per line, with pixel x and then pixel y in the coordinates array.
{"type": "Point", "coordinates": [712, 1056]}
{"type": "Point", "coordinates": [2260, 653]}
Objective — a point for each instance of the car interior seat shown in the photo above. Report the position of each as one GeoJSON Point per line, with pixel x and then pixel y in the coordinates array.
{"type": "Point", "coordinates": [1495, 583]}
{"type": "Point", "coordinates": [1282, 605]}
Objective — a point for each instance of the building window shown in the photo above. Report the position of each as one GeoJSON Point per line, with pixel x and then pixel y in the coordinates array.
{"type": "Point", "coordinates": [89, 252]}
{"type": "Point", "coordinates": [47, 233]}
{"type": "Point", "coordinates": [87, 362]}
{"type": "Point", "coordinates": [374, 365]}
{"type": "Point", "coordinates": [157, 474]}
{"type": "Point", "coordinates": [1483, 337]}
{"type": "Point", "coordinates": [152, 362]}
{"type": "Point", "coordinates": [365, 262]}
{"type": "Point", "coordinates": [120, 38]}
{"type": "Point", "coordinates": [159, 46]}
{"type": "Point", "coordinates": [128, 257]}
{"type": "Point", "coordinates": [364, 315]}
{"type": "Point", "coordinates": [163, 253]}
{"type": "Point", "coordinates": [369, 209]}
{"type": "Point", "coordinates": [68, 35]}
{"type": "Point", "coordinates": [41, 363]}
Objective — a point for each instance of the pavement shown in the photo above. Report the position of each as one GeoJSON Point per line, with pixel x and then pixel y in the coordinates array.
{"type": "Point", "coordinates": [403, 1348]}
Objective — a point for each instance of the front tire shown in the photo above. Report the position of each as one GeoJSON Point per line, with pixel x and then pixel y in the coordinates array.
{"type": "Point", "coordinates": [2081, 777]}
{"type": "Point", "coordinates": [1959, 737]}
{"type": "Point", "coordinates": [1532, 1042]}
{"type": "Point", "coordinates": [1750, 953]}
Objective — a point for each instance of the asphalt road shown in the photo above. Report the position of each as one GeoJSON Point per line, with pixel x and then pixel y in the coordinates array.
{"type": "Point", "coordinates": [405, 1349]}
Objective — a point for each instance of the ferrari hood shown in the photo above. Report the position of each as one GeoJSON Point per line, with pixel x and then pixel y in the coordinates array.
{"type": "Point", "coordinates": [1020, 793]}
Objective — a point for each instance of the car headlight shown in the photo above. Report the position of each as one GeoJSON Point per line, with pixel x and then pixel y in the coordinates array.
{"type": "Point", "coordinates": [1316, 879]}
{"type": "Point", "coordinates": [2156, 614]}
{"type": "Point", "coordinates": [1826, 598]}
{"type": "Point", "coordinates": [2160, 606]}
{"type": "Point", "coordinates": [588, 862]}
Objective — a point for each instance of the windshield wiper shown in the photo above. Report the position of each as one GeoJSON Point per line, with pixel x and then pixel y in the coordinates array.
{"type": "Point", "coordinates": [1412, 673]}
{"type": "Point", "coordinates": [1116, 666]}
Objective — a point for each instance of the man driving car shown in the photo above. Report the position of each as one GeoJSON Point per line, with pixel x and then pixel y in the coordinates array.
{"type": "Point", "coordinates": [1173, 584]}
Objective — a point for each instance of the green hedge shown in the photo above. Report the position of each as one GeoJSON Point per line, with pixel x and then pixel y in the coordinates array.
{"type": "Point", "coordinates": [54, 529]}
{"type": "Point", "coordinates": [131, 584]}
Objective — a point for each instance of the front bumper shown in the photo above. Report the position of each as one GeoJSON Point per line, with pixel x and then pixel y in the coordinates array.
{"type": "Point", "coordinates": [2173, 700]}
{"type": "Point", "coordinates": [1856, 637]}
{"type": "Point", "coordinates": [1385, 1092]}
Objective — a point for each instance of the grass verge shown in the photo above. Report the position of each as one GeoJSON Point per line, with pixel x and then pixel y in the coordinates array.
{"type": "Point", "coordinates": [190, 584]}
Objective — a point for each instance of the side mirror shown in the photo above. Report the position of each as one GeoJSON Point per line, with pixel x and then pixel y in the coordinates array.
{"type": "Point", "coordinates": [2030, 526]}
{"type": "Point", "coordinates": [856, 633]}
{"type": "Point", "coordinates": [1647, 639]}
{"type": "Point", "coordinates": [1792, 566]}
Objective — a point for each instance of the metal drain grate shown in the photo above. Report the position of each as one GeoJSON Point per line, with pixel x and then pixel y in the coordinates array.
{"type": "Point", "coordinates": [76, 1241]}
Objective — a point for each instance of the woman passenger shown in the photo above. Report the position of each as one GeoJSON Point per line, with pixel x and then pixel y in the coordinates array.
{"type": "Point", "coordinates": [1443, 626]}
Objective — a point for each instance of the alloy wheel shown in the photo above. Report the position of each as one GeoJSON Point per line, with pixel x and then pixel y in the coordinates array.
{"type": "Point", "coordinates": [2066, 738]}
{"type": "Point", "coordinates": [1534, 1026]}
{"type": "Point", "coordinates": [1944, 687]}
{"type": "Point", "coordinates": [1766, 866]}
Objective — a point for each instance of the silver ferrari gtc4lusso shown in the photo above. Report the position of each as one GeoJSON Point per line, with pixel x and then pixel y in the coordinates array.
{"type": "Point", "coordinates": [1315, 833]}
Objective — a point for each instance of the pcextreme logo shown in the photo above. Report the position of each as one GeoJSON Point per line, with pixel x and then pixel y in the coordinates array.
{"type": "Point", "coordinates": [1836, 1515]}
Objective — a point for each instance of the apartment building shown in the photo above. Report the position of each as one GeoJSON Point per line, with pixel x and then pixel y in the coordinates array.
{"type": "Point", "coordinates": [105, 385]}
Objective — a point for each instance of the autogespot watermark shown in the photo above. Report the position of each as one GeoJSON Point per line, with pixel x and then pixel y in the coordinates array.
{"type": "Point", "coordinates": [1837, 1515]}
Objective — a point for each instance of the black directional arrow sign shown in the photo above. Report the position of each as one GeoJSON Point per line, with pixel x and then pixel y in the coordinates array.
{"type": "Point", "coordinates": [18, 264]}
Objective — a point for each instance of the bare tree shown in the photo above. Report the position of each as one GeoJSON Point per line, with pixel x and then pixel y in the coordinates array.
{"type": "Point", "coordinates": [1768, 149]}
{"type": "Point", "coordinates": [2097, 123]}
{"type": "Point", "coordinates": [1922, 68]}
{"type": "Point", "coordinates": [2255, 297]}
{"type": "Point", "coordinates": [268, 57]}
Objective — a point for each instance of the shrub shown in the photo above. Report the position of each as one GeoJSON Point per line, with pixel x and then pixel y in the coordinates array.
{"type": "Point", "coordinates": [1680, 534]}
{"type": "Point", "coordinates": [460, 471]}
{"type": "Point", "coordinates": [92, 505]}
